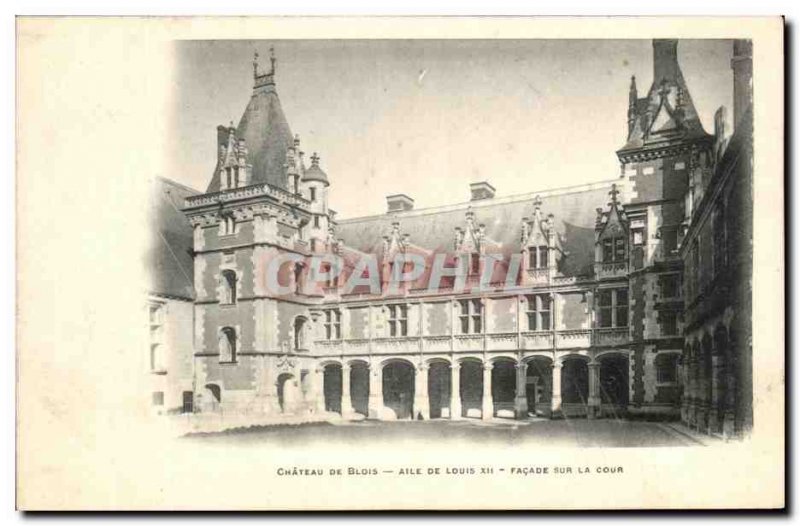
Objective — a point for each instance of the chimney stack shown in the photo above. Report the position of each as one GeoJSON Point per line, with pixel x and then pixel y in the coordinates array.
{"type": "Point", "coordinates": [482, 190]}
{"type": "Point", "coordinates": [399, 203]}
{"type": "Point", "coordinates": [665, 60]}
{"type": "Point", "coordinates": [742, 64]}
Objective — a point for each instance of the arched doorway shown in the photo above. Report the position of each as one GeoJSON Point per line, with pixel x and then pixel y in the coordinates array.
{"type": "Point", "coordinates": [288, 393]}
{"type": "Point", "coordinates": [538, 385]}
{"type": "Point", "coordinates": [471, 388]}
{"type": "Point", "coordinates": [332, 387]}
{"type": "Point", "coordinates": [398, 388]}
{"type": "Point", "coordinates": [575, 385]}
{"type": "Point", "coordinates": [439, 389]}
{"type": "Point", "coordinates": [614, 385]}
{"type": "Point", "coordinates": [504, 387]}
{"type": "Point", "coordinates": [359, 387]}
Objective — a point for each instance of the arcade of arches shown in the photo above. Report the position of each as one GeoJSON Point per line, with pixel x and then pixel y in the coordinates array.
{"type": "Point", "coordinates": [502, 387]}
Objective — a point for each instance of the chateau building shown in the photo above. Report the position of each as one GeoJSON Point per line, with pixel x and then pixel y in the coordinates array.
{"type": "Point", "coordinates": [556, 303]}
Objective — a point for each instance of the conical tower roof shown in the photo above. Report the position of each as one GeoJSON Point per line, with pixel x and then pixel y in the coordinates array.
{"type": "Point", "coordinates": [266, 132]}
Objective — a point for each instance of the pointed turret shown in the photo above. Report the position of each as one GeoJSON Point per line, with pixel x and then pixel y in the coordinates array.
{"type": "Point", "coordinates": [265, 131]}
{"type": "Point", "coordinates": [667, 112]}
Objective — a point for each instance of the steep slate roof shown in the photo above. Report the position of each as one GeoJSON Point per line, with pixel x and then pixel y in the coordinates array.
{"type": "Point", "coordinates": [266, 133]}
{"type": "Point", "coordinates": [574, 212]}
{"type": "Point", "coordinates": [661, 111]}
{"type": "Point", "coordinates": [169, 257]}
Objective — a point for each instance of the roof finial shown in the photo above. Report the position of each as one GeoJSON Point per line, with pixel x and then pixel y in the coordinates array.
{"type": "Point", "coordinates": [272, 60]}
{"type": "Point", "coordinates": [255, 64]}
{"type": "Point", "coordinates": [315, 159]}
{"type": "Point", "coordinates": [613, 193]}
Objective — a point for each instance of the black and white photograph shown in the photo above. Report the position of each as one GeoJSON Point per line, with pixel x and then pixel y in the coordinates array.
{"type": "Point", "coordinates": [534, 253]}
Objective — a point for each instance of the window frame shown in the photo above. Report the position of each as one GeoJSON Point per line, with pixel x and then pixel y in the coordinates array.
{"type": "Point", "coordinates": [471, 316]}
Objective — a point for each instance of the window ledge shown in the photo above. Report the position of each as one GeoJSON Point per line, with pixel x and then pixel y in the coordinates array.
{"type": "Point", "coordinates": [228, 362]}
{"type": "Point", "coordinates": [159, 372]}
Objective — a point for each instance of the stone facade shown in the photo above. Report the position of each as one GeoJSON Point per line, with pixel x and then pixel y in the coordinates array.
{"type": "Point", "coordinates": [571, 305]}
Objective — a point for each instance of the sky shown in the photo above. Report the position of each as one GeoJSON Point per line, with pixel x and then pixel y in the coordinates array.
{"type": "Point", "coordinates": [428, 117]}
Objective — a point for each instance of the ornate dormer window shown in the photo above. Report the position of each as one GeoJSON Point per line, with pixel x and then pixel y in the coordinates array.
{"type": "Point", "coordinates": [540, 245]}
{"type": "Point", "coordinates": [394, 243]}
{"type": "Point", "coordinates": [612, 231]}
{"type": "Point", "coordinates": [233, 167]}
{"type": "Point", "coordinates": [470, 243]}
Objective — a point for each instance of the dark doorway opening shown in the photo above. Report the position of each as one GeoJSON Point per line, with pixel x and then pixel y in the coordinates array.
{"type": "Point", "coordinates": [439, 388]}
{"type": "Point", "coordinates": [398, 388]}
{"type": "Point", "coordinates": [332, 387]}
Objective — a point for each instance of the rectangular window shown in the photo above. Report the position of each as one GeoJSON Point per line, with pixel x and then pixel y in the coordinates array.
{"type": "Point", "coordinates": [604, 308]}
{"type": "Point", "coordinates": [313, 192]}
{"type": "Point", "coordinates": [668, 320]}
{"type": "Point", "coordinates": [612, 308]}
{"type": "Point", "coordinates": [333, 324]}
{"type": "Point", "coordinates": [638, 237]}
{"type": "Point", "coordinates": [398, 320]}
{"type": "Point", "coordinates": [619, 249]}
{"type": "Point", "coordinates": [471, 316]}
{"type": "Point", "coordinates": [532, 257]}
{"type": "Point", "coordinates": [670, 286]}
{"type": "Point", "coordinates": [669, 240]}
{"type": "Point", "coordinates": [539, 312]}
{"type": "Point", "coordinates": [621, 308]}
{"type": "Point", "coordinates": [316, 221]}
{"type": "Point", "coordinates": [542, 263]}
{"type": "Point", "coordinates": [608, 250]}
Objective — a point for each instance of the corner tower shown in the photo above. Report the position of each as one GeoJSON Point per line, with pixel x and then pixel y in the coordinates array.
{"type": "Point", "coordinates": [253, 325]}
{"type": "Point", "coordinates": [665, 150]}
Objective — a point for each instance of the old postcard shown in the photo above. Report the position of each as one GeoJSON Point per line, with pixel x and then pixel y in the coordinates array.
{"type": "Point", "coordinates": [400, 263]}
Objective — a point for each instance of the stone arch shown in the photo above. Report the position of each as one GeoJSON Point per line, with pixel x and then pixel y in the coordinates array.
{"type": "Point", "coordinates": [574, 381]}
{"type": "Point", "coordinates": [539, 382]}
{"type": "Point", "coordinates": [439, 387]}
{"type": "Point", "coordinates": [504, 385]}
{"type": "Point", "coordinates": [471, 386]}
{"type": "Point", "coordinates": [288, 393]}
{"type": "Point", "coordinates": [359, 385]}
{"type": "Point", "coordinates": [332, 386]}
{"type": "Point", "coordinates": [399, 382]}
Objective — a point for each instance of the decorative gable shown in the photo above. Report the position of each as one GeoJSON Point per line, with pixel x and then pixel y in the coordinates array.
{"type": "Point", "coordinates": [470, 239]}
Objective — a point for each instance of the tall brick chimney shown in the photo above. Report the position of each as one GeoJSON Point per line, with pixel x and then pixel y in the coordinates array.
{"type": "Point", "coordinates": [482, 190]}
{"type": "Point", "coordinates": [399, 203]}
{"type": "Point", "coordinates": [665, 60]}
{"type": "Point", "coordinates": [742, 64]}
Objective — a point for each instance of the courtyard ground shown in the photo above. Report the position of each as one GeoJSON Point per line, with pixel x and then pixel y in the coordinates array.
{"type": "Point", "coordinates": [540, 432]}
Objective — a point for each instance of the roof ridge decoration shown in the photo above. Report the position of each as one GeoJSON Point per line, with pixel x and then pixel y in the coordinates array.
{"type": "Point", "coordinates": [266, 79]}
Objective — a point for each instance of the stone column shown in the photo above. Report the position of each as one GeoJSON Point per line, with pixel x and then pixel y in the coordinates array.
{"type": "Point", "coordinates": [521, 398]}
{"type": "Point", "coordinates": [422, 404]}
{"type": "Point", "coordinates": [375, 391]}
{"type": "Point", "coordinates": [455, 391]}
{"type": "Point", "coordinates": [594, 390]}
{"type": "Point", "coordinates": [555, 397]}
{"type": "Point", "coordinates": [347, 404]}
{"type": "Point", "coordinates": [487, 405]}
